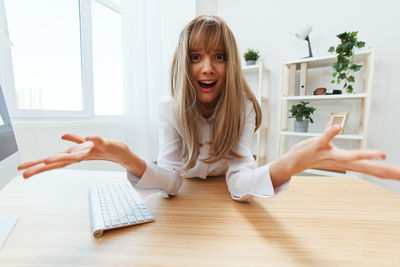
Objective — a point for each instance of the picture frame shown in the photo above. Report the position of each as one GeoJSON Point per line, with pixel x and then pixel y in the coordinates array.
{"type": "Point", "coordinates": [338, 118]}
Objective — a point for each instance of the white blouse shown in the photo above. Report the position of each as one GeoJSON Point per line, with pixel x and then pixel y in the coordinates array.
{"type": "Point", "coordinates": [243, 178]}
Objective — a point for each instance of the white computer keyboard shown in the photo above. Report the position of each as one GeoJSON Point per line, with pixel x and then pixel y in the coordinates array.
{"type": "Point", "coordinates": [115, 206]}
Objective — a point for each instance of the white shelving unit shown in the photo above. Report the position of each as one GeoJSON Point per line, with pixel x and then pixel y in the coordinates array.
{"type": "Point", "coordinates": [341, 136]}
{"type": "Point", "coordinates": [324, 97]}
{"type": "Point", "coordinates": [288, 96]}
{"type": "Point", "coordinates": [262, 94]}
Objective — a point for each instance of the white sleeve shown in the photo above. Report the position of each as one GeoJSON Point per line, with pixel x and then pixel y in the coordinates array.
{"type": "Point", "coordinates": [243, 178]}
{"type": "Point", "coordinates": [165, 175]}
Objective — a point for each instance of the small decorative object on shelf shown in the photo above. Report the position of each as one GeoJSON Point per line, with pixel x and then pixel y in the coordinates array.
{"type": "Point", "coordinates": [251, 56]}
{"type": "Point", "coordinates": [338, 118]}
{"type": "Point", "coordinates": [334, 92]}
{"type": "Point", "coordinates": [320, 91]}
{"type": "Point", "coordinates": [302, 115]}
{"type": "Point", "coordinates": [344, 63]}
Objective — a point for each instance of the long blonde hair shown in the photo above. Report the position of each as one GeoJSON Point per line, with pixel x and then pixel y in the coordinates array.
{"type": "Point", "coordinates": [210, 32]}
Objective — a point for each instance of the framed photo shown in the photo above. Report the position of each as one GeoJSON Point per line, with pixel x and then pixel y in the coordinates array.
{"type": "Point", "coordinates": [338, 118]}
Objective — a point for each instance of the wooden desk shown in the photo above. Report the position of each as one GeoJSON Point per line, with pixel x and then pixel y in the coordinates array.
{"type": "Point", "coordinates": [317, 222]}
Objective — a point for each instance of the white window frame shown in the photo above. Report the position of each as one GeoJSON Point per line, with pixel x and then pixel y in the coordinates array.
{"type": "Point", "coordinates": [86, 44]}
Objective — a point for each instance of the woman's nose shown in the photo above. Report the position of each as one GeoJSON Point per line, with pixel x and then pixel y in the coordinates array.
{"type": "Point", "coordinates": [207, 66]}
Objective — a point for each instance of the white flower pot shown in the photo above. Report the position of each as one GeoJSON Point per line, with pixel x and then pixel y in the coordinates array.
{"type": "Point", "coordinates": [301, 126]}
{"type": "Point", "coordinates": [250, 62]}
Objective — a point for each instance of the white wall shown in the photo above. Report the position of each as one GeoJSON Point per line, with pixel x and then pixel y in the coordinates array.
{"type": "Point", "coordinates": [206, 7]}
{"type": "Point", "coordinates": [270, 26]}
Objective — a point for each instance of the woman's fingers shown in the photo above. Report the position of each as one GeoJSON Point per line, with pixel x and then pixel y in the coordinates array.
{"type": "Point", "coordinates": [354, 155]}
{"type": "Point", "coordinates": [56, 161]}
{"type": "Point", "coordinates": [329, 134]}
{"type": "Point", "coordinates": [378, 169]}
{"type": "Point", "coordinates": [97, 140]}
{"type": "Point", "coordinates": [88, 148]}
{"type": "Point", "coordinates": [83, 146]}
{"type": "Point", "coordinates": [74, 154]}
{"type": "Point", "coordinates": [67, 157]}
{"type": "Point", "coordinates": [42, 167]}
{"type": "Point", "coordinates": [29, 164]}
{"type": "Point", "coordinates": [73, 138]}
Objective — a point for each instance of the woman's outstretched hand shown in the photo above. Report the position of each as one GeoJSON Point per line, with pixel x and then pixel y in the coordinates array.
{"type": "Point", "coordinates": [88, 148]}
{"type": "Point", "coordinates": [321, 153]}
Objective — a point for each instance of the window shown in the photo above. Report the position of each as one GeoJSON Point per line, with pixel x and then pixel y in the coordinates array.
{"type": "Point", "coordinates": [67, 57]}
{"type": "Point", "coordinates": [46, 54]}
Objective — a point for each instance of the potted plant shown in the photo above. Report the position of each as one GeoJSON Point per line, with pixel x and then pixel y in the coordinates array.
{"type": "Point", "coordinates": [251, 56]}
{"type": "Point", "coordinates": [344, 65]}
{"type": "Point", "coordinates": [302, 114]}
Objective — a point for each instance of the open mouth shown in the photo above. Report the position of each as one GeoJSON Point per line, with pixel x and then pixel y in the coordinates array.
{"type": "Point", "coordinates": [206, 84]}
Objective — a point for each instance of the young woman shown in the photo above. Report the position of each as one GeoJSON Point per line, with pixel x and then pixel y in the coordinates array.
{"type": "Point", "coordinates": [206, 129]}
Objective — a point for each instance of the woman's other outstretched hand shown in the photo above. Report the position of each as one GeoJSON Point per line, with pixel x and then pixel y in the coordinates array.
{"type": "Point", "coordinates": [321, 153]}
{"type": "Point", "coordinates": [89, 148]}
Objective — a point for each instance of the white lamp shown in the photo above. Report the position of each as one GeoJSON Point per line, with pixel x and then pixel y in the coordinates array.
{"type": "Point", "coordinates": [303, 35]}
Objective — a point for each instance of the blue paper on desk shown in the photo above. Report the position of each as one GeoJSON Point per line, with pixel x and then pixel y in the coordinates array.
{"type": "Point", "coordinates": [7, 223]}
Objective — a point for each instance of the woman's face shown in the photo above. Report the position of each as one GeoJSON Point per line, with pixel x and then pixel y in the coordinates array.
{"type": "Point", "coordinates": [208, 69]}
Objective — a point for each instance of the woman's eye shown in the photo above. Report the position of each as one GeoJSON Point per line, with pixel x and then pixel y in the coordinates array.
{"type": "Point", "coordinates": [220, 57]}
{"type": "Point", "coordinates": [195, 58]}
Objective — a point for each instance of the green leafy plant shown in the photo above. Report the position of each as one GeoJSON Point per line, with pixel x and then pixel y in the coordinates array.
{"type": "Point", "coordinates": [301, 112]}
{"type": "Point", "coordinates": [251, 54]}
{"type": "Point", "coordinates": [344, 65]}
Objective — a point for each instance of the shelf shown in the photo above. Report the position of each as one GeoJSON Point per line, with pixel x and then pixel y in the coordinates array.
{"type": "Point", "coordinates": [308, 134]}
{"type": "Point", "coordinates": [324, 97]}
{"type": "Point", "coordinates": [251, 67]}
{"type": "Point", "coordinates": [262, 74]}
{"type": "Point", "coordinates": [327, 61]}
{"type": "Point", "coordinates": [331, 173]}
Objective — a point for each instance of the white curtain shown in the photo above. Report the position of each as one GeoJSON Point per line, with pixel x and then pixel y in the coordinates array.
{"type": "Point", "coordinates": [150, 31]}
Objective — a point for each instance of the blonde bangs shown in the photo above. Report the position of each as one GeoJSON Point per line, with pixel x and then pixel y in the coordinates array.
{"type": "Point", "coordinates": [206, 34]}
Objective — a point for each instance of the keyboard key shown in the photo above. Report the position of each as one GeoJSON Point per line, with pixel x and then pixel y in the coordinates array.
{"type": "Point", "coordinates": [114, 222]}
{"type": "Point", "coordinates": [148, 217]}
{"type": "Point", "coordinates": [131, 219]}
